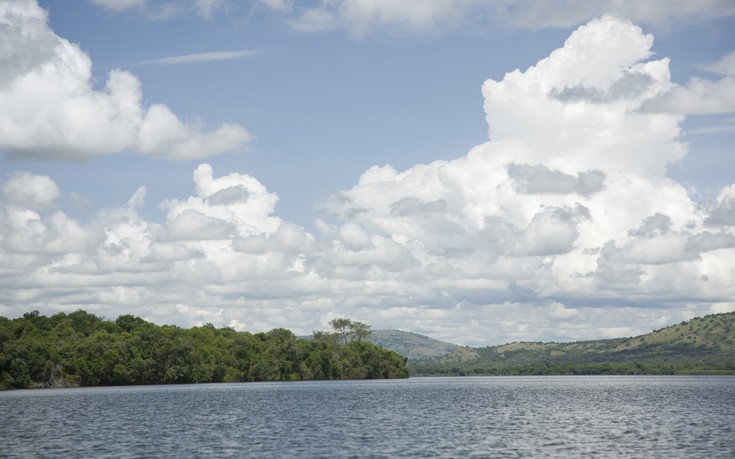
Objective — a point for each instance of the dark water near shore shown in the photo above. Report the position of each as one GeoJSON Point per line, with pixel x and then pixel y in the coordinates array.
{"type": "Point", "coordinates": [504, 417]}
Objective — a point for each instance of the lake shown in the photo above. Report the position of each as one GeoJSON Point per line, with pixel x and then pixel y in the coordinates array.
{"type": "Point", "coordinates": [482, 417]}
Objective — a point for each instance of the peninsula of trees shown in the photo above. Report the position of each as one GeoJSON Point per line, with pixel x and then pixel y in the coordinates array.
{"type": "Point", "coordinates": [81, 349]}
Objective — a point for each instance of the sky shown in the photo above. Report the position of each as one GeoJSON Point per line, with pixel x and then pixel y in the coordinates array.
{"type": "Point", "coordinates": [479, 171]}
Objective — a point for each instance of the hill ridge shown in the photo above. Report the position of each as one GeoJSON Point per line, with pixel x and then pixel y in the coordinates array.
{"type": "Point", "coordinates": [412, 345]}
{"type": "Point", "coordinates": [702, 344]}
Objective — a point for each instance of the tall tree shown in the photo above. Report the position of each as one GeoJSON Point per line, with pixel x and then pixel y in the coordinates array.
{"type": "Point", "coordinates": [342, 327]}
{"type": "Point", "coordinates": [360, 331]}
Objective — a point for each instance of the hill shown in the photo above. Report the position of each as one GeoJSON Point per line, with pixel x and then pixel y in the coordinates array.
{"type": "Point", "coordinates": [701, 345]}
{"type": "Point", "coordinates": [412, 345]}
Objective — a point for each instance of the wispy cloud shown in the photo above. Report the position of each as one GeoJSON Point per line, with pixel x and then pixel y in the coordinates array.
{"type": "Point", "coordinates": [727, 125]}
{"type": "Point", "coordinates": [725, 66]}
{"type": "Point", "coordinates": [202, 57]}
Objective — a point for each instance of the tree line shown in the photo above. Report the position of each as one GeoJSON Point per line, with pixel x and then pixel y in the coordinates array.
{"type": "Point", "coordinates": [81, 349]}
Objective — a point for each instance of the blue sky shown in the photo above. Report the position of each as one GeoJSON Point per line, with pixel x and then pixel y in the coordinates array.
{"type": "Point", "coordinates": [227, 162]}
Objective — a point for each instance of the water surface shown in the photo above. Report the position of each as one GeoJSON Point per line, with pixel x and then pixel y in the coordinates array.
{"type": "Point", "coordinates": [482, 417]}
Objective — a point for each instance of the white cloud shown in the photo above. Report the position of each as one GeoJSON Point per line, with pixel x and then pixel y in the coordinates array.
{"type": "Point", "coordinates": [540, 179]}
{"type": "Point", "coordinates": [119, 5]}
{"type": "Point", "coordinates": [49, 108]}
{"type": "Point", "coordinates": [32, 192]}
{"type": "Point", "coordinates": [551, 232]}
{"type": "Point", "coordinates": [566, 13]}
{"type": "Point", "coordinates": [288, 238]}
{"type": "Point", "coordinates": [701, 96]}
{"type": "Point", "coordinates": [724, 125]}
{"type": "Point", "coordinates": [706, 241]}
{"type": "Point", "coordinates": [723, 211]}
{"type": "Point", "coordinates": [315, 20]}
{"type": "Point", "coordinates": [155, 10]}
{"type": "Point", "coordinates": [281, 6]}
{"type": "Point", "coordinates": [359, 17]}
{"type": "Point", "coordinates": [202, 57]}
{"type": "Point", "coordinates": [563, 226]}
{"type": "Point", "coordinates": [205, 7]}
{"type": "Point", "coordinates": [194, 225]}
{"type": "Point", "coordinates": [724, 66]}
{"type": "Point", "coordinates": [238, 200]}
{"type": "Point", "coordinates": [698, 97]}
{"type": "Point", "coordinates": [570, 199]}
{"type": "Point", "coordinates": [720, 308]}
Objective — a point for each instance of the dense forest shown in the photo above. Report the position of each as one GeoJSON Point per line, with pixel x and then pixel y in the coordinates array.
{"type": "Point", "coordinates": [704, 345]}
{"type": "Point", "coordinates": [81, 349]}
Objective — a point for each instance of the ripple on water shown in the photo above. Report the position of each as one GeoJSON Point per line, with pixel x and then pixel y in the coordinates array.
{"type": "Point", "coordinates": [424, 417]}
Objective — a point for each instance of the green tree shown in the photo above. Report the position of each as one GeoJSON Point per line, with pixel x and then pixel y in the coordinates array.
{"type": "Point", "coordinates": [360, 331]}
{"type": "Point", "coordinates": [342, 328]}
{"type": "Point", "coordinates": [350, 330]}
{"type": "Point", "coordinates": [83, 349]}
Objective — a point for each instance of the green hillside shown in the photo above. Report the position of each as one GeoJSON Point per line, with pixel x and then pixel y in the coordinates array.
{"type": "Point", "coordinates": [701, 345]}
{"type": "Point", "coordinates": [412, 345]}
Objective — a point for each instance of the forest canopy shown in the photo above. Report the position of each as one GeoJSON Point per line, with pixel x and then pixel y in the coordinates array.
{"type": "Point", "coordinates": [81, 349]}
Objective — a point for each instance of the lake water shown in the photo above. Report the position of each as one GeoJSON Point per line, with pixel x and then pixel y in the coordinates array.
{"type": "Point", "coordinates": [483, 417]}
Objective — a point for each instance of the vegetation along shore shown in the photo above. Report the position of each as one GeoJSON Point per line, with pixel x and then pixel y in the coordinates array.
{"type": "Point", "coordinates": [81, 349]}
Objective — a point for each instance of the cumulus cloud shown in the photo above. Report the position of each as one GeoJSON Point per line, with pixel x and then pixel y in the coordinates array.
{"type": "Point", "coordinates": [32, 192]}
{"type": "Point", "coordinates": [570, 195]}
{"type": "Point", "coordinates": [288, 238]}
{"type": "Point", "coordinates": [540, 179]}
{"type": "Point", "coordinates": [723, 210]}
{"type": "Point", "coordinates": [700, 96]}
{"type": "Point", "coordinates": [564, 218]}
{"type": "Point", "coordinates": [49, 108]}
{"type": "Point", "coordinates": [706, 241]}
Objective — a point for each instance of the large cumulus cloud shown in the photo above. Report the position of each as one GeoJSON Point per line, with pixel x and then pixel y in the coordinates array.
{"type": "Point", "coordinates": [49, 107]}
{"type": "Point", "coordinates": [569, 201]}
{"type": "Point", "coordinates": [563, 226]}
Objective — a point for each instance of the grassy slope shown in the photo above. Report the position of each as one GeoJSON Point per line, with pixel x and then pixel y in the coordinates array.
{"type": "Point", "coordinates": [412, 345]}
{"type": "Point", "coordinates": [704, 344]}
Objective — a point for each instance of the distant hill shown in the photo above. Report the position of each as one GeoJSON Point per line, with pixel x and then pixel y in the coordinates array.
{"type": "Point", "coordinates": [701, 345]}
{"type": "Point", "coordinates": [412, 345]}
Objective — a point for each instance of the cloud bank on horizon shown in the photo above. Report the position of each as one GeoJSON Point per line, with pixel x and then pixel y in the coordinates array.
{"type": "Point", "coordinates": [563, 219]}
